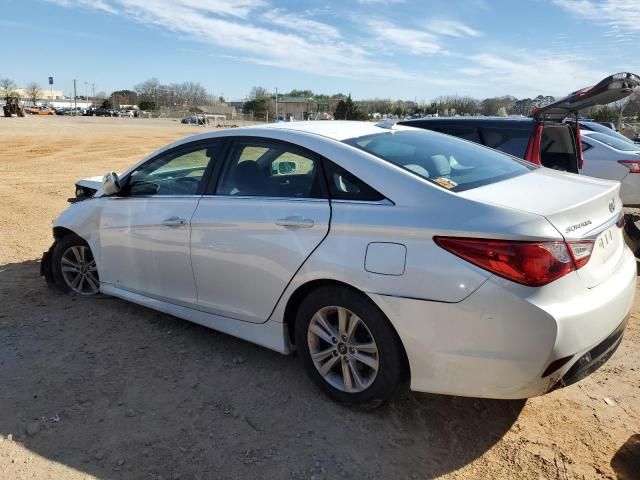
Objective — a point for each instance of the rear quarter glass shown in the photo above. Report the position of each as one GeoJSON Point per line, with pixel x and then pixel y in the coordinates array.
{"type": "Point", "coordinates": [448, 162]}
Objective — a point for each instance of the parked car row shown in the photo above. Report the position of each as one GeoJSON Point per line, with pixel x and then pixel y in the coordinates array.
{"type": "Point", "coordinates": [386, 255]}
{"type": "Point", "coordinates": [97, 112]}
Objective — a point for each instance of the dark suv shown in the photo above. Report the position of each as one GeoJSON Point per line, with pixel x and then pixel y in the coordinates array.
{"type": "Point", "coordinates": [543, 138]}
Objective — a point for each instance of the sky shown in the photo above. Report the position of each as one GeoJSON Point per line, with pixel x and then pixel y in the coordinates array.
{"type": "Point", "coordinates": [398, 49]}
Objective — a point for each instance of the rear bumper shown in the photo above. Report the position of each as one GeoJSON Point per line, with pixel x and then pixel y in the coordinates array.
{"type": "Point", "coordinates": [499, 341]}
{"type": "Point", "coordinates": [593, 359]}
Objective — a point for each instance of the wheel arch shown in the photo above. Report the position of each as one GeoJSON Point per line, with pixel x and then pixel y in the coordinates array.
{"type": "Point", "coordinates": [295, 299]}
{"type": "Point", "coordinates": [61, 232]}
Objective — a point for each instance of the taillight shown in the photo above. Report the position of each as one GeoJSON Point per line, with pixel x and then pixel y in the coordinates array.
{"type": "Point", "coordinates": [632, 165]}
{"type": "Point", "coordinates": [581, 252]}
{"type": "Point", "coordinates": [529, 263]}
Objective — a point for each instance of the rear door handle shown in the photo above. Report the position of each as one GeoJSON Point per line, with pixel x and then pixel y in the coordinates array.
{"type": "Point", "coordinates": [297, 221]}
{"type": "Point", "coordinates": [174, 222]}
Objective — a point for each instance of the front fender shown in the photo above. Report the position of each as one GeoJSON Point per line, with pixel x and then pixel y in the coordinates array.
{"type": "Point", "coordinates": [82, 219]}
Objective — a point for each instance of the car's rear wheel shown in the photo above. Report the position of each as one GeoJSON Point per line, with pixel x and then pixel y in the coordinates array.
{"type": "Point", "coordinates": [74, 267]}
{"type": "Point", "coordinates": [349, 348]}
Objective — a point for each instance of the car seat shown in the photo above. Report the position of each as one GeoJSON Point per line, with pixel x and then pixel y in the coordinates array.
{"type": "Point", "coordinates": [248, 179]}
{"type": "Point", "coordinates": [438, 166]}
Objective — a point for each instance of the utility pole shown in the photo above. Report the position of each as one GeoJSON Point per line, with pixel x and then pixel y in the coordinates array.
{"type": "Point", "coordinates": [276, 106]}
{"type": "Point", "coordinates": [93, 94]}
{"type": "Point", "coordinates": [75, 98]}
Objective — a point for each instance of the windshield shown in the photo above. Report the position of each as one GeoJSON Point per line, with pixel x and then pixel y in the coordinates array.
{"type": "Point", "coordinates": [613, 142]}
{"type": "Point", "coordinates": [596, 127]}
{"type": "Point", "coordinates": [449, 162]}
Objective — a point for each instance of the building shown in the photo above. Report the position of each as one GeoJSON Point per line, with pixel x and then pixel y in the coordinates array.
{"type": "Point", "coordinates": [228, 111]}
{"type": "Point", "coordinates": [300, 108]}
{"type": "Point", "coordinates": [46, 95]}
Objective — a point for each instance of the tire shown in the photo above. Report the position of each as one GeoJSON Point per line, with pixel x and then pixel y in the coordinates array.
{"type": "Point", "coordinates": [371, 353]}
{"type": "Point", "coordinates": [72, 261]}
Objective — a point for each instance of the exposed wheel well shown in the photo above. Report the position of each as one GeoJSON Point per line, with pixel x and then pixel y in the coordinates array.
{"type": "Point", "coordinates": [60, 232]}
{"type": "Point", "coordinates": [302, 291]}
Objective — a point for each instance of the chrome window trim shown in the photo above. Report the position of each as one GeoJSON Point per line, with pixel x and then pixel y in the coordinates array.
{"type": "Point", "coordinates": [259, 197]}
{"type": "Point", "coordinates": [384, 201]}
{"type": "Point", "coordinates": [152, 196]}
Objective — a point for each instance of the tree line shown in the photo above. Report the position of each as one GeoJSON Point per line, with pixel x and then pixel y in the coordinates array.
{"type": "Point", "coordinates": [154, 95]}
{"type": "Point", "coordinates": [344, 107]}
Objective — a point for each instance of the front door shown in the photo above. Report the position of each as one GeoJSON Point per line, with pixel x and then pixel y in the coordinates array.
{"type": "Point", "coordinates": [268, 213]}
{"type": "Point", "coordinates": [144, 230]}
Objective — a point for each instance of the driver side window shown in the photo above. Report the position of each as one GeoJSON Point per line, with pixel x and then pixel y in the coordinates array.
{"type": "Point", "coordinates": [174, 174]}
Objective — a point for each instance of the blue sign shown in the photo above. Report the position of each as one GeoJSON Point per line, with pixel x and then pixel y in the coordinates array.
{"type": "Point", "coordinates": [50, 80]}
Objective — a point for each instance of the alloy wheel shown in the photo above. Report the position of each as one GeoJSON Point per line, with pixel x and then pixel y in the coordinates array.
{"type": "Point", "coordinates": [79, 270]}
{"type": "Point", "coordinates": [343, 349]}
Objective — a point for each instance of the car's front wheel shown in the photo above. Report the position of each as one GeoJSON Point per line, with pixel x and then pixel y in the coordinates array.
{"type": "Point", "coordinates": [74, 267]}
{"type": "Point", "coordinates": [349, 348]}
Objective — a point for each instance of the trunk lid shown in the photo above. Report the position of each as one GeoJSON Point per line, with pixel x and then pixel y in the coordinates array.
{"type": "Point", "coordinates": [579, 207]}
{"type": "Point", "coordinates": [609, 89]}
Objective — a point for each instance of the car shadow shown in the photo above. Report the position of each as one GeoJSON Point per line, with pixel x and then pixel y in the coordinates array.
{"type": "Point", "coordinates": [626, 461]}
{"type": "Point", "coordinates": [120, 391]}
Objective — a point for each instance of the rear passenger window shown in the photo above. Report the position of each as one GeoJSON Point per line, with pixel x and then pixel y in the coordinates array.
{"type": "Point", "coordinates": [513, 142]}
{"type": "Point", "coordinates": [265, 169]}
{"type": "Point", "coordinates": [346, 186]}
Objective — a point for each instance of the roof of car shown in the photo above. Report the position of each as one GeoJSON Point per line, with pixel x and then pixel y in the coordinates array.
{"type": "Point", "coordinates": [334, 129]}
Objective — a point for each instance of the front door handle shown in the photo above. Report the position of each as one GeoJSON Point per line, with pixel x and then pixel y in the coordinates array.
{"type": "Point", "coordinates": [174, 222]}
{"type": "Point", "coordinates": [297, 221]}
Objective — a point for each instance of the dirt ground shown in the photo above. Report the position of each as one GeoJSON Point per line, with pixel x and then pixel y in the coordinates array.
{"type": "Point", "coordinates": [101, 388]}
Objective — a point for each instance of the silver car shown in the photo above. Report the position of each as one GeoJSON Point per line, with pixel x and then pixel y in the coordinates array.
{"type": "Point", "coordinates": [386, 256]}
{"type": "Point", "coordinates": [608, 157]}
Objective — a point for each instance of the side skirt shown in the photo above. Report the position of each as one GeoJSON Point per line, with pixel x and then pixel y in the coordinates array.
{"type": "Point", "coordinates": [269, 334]}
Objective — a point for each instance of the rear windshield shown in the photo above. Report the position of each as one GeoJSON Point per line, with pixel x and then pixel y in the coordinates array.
{"type": "Point", "coordinates": [614, 142]}
{"type": "Point", "coordinates": [596, 127]}
{"type": "Point", "coordinates": [449, 162]}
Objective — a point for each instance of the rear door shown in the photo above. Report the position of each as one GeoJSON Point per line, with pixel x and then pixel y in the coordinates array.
{"type": "Point", "coordinates": [258, 225]}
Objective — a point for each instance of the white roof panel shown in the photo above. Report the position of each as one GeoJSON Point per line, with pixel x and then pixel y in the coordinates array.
{"type": "Point", "coordinates": [335, 129]}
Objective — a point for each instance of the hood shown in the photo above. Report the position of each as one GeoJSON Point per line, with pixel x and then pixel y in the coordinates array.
{"type": "Point", "coordinates": [92, 182]}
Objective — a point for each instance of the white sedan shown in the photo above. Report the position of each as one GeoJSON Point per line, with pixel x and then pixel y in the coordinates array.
{"type": "Point", "coordinates": [606, 156]}
{"type": "Point", "coordinates": [386, 256]}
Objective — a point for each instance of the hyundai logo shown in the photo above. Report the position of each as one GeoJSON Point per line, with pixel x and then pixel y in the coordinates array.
{"type": "Point", "coordinates": [612, 205]}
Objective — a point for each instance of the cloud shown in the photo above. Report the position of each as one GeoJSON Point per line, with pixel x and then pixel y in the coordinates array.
{"type": "Point", "coordinates": [379, 2]}
{"type": "Point", "coordinates": [547, 75]}
{"type": "Point", "coordinates": [232, 26]}
{"type": "Point", "coordinates": [618, 14]}
{"type": "Point", "coordinates": [416, 42]}
{"type": "Point", "coordinates": [93, 4]}
{"type": "Point", "coordinates": [452, 29]}
{"type": "Point", "coordinates": [300, 23]}
{"type": "Point", "coordinates": [427, 41]}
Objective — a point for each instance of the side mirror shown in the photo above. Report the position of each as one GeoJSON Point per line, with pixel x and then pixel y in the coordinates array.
{"type": "Point", "coordinates": [111, 183]}
{"type": "Point", "coordinates": [285, 168]}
